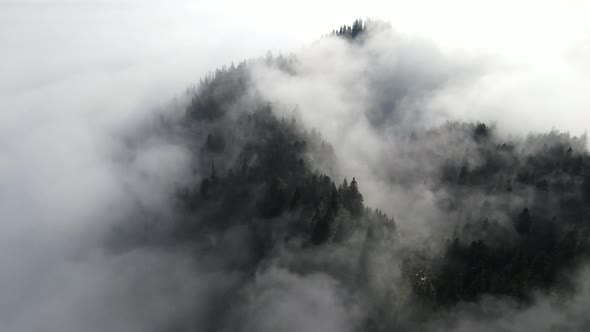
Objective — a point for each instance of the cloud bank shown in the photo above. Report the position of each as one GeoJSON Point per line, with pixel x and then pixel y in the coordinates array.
{"type": "Point", "coordinates": [83, 151]}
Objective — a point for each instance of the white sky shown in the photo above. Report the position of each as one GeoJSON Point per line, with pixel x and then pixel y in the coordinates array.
{"type": "Point", "coordinates": [73, 72]}
{"type": "Point", "coordinates": [137, 52]}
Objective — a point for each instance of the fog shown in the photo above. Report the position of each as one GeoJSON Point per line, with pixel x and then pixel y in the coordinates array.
{"type": "Point", "coordinates": [82, 87]}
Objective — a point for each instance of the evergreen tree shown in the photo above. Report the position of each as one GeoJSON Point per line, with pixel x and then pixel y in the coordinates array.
{"type": "Point", "coordinates": [353, 199]}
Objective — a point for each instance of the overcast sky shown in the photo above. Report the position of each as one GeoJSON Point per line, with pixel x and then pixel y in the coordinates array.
{"type": "Point", "coordinates": [72, 71]}
{"type": "Point", "coordinates": [120, 56]}
{"type": "Point", "coordinates": [76, 73]}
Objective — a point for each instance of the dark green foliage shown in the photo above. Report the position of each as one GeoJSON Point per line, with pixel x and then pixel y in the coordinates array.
{"type": "Point", "coordinates": [275, 199]}
{"type": "Point", "coordinates": [257, 171]}
{"type": "Point", "coordinates": [214, 143]}
{"type": "Point", "coordinates": [270, 179]}
{"type": "Point", "coordinates": [350, 32]}
{"type": "Point", "coordinates": [511, 216]}
{"type": "Point", "coordinates": [539, 260]}
{"type": "Point", "coordinates": [218, 92]}
{"type": "Point", "coordinates": [264, 181]}
{"type": "Point", "coordinates": [523, 223]}
{"type": "Point", "coordinates": [480, 134]}
{"type": "Point", "coordinates": [543, 242]}
{"type": "Point", "coordinates": [352, 199]}
{"type": "Point", "coordinates": [586, 187]}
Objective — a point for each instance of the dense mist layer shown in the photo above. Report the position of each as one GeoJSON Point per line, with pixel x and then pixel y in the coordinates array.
{"type": "Point", "coordinates": [333, 189]}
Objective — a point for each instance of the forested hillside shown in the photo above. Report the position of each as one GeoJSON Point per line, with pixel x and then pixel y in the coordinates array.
{"type": "Point", "coordinates": [512, 213]}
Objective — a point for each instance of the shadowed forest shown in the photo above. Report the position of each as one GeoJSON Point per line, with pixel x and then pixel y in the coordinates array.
{"type": "Point", "coordinates": [266, 193]}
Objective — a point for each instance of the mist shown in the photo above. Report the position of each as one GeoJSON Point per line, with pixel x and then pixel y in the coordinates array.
{"type": "Point", "coordinates": [95, 149]}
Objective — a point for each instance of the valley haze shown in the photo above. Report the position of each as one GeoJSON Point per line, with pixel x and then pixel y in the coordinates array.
{"type": "Point", "coordinates": [193, 166]}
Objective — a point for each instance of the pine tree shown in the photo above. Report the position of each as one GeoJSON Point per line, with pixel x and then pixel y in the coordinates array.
{"type": "Point", "coordinates": [353, 199]}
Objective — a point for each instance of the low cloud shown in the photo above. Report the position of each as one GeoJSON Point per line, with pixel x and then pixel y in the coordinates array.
{"type": "Point", "coordinates": [84, 154]}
